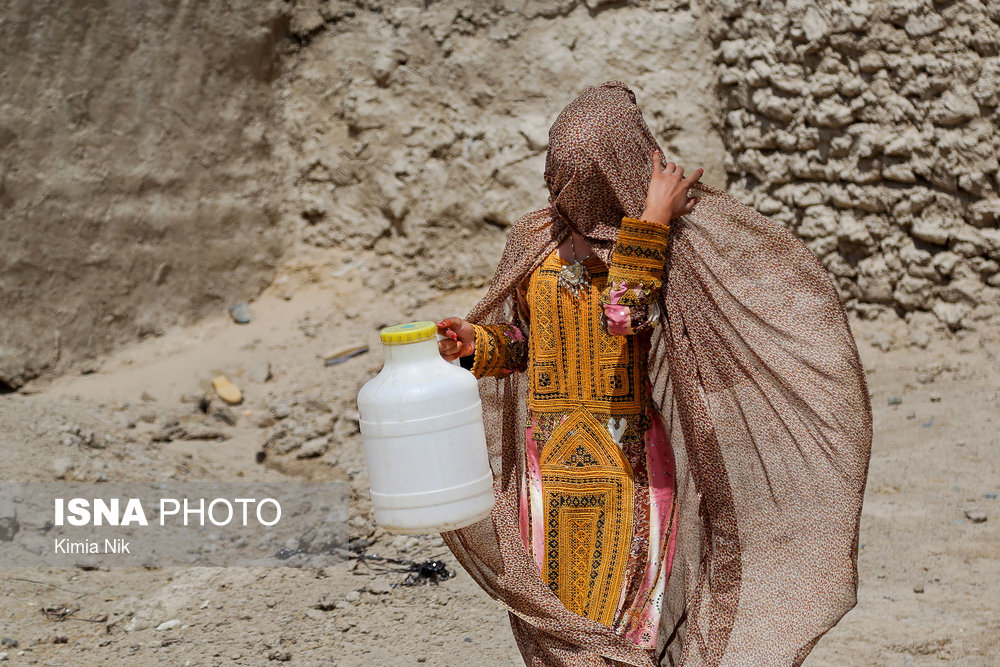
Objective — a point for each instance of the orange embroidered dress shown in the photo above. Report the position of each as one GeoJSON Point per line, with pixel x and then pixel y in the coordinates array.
{"type": "Point", "coordinates": [597, 502]}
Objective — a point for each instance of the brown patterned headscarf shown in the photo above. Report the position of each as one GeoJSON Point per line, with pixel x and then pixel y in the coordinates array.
{"type": "Point", "coordinates": [597, 169]}
{"type": "Point", "coordinates": [599, 161]}
{"type": "Point", "coordinates": [757, 378]}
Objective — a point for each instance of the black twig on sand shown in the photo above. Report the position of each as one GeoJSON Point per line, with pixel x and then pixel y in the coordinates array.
{"type": "Point", "coordinates": [59, 613]}
{"type": "Point", "coordinates": [424, 572]}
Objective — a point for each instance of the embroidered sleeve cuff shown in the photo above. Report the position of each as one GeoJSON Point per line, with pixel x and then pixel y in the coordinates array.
{"type": "Point", "coordinates": [636, 270]}
{"type": "Point", "coordinates": [500, 349]}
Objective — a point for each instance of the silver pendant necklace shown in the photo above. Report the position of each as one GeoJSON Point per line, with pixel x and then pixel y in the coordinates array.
{"type": "Point", "coordinates": [574, 278]}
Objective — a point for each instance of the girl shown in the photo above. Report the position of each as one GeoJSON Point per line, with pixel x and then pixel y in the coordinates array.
{"type": "Point", "coordinates": [651, 393]}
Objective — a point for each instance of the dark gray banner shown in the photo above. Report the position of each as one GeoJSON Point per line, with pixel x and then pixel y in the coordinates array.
{"type": "Point", "coordinates": [159, 524]}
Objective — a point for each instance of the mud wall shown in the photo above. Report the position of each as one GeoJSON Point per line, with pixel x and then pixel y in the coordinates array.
{"type": "Point", "coordinates": [137, 142]}
{"type": "Point", "coordinates": [159, 158]}
{"type": "Point", "coordinates": [418, 130]}
{"type": "Point", "coordinates": [871, 130]}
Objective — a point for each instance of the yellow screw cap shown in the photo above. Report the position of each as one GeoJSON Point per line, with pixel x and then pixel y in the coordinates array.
{"type": "Point", "coordinates": [411, 332]}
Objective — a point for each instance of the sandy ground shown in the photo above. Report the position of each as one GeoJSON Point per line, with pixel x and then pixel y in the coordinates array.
{"type": "Point", "coordinates": [929, 574]}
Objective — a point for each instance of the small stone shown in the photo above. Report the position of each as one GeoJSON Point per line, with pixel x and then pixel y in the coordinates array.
{"type": "Point", "coordinates": [168, 625]}
{"type": "Point", "coordinates": [280, 410]}
{"type": "Point", "coordinates": [379, 587]}
{"type": "Point", "coordinates": [241, 313]}
{"type": "Point", "coordinates": [61, 467]}
{"type": "Point", "coordinates": [976, 514]}
{"type": "Point", "coordinates": [326, 603]}
{"type": "Point", "coordinates": [313, 448]}
{"type": "Point", "coordinates": [9, 641]}
{"type": "Point", "coordinates": [261, 372]}
{"type": "Point", "coordinates": [226, 390]}
{"type": "Point", "coordinates": [279, 655]}
{"type": "Point", "coordinates": [198, 431]}
{"type": "Point", "coordinates": [353, 596]}
{"type": "Point", "coordinates": [895, 400]}
{"type": "Point", "coordinates": [918, 588]}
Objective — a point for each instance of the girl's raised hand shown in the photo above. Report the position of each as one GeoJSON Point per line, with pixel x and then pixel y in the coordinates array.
{"type": "Point", "coordinates": [460, 338]}
{"type": "Point", "coordinates": [667, 197]}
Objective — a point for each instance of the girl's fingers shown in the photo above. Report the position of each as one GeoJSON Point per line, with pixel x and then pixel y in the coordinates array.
{"type": "Point", "coordinates": [447, 327]}
{"type": "Point", "coordinates": [459, 338]}
{"type": "Point", "coordinates": [693, 178]}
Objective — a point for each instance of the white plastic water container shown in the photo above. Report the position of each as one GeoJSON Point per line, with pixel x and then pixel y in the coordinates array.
{"type": "Point", "coordinates": [422, 423]}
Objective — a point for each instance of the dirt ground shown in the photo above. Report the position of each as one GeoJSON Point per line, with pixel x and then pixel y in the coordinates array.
{"type": "Point", "coordinates": [929, 571]}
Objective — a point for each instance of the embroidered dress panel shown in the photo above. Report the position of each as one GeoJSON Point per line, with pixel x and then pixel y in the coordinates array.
{"type": "Point", "coordinates": [589, 497]}
{"type": "Point", "coordinates": [575, 362]}
{"type": "Point", "coordinates": [597, 506]}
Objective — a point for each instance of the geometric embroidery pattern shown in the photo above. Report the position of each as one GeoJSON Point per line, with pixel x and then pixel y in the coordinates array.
{"type": "Point", "coordinates": [588, 498]}
{"type": "Point", "coordinates": [573, 360]}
